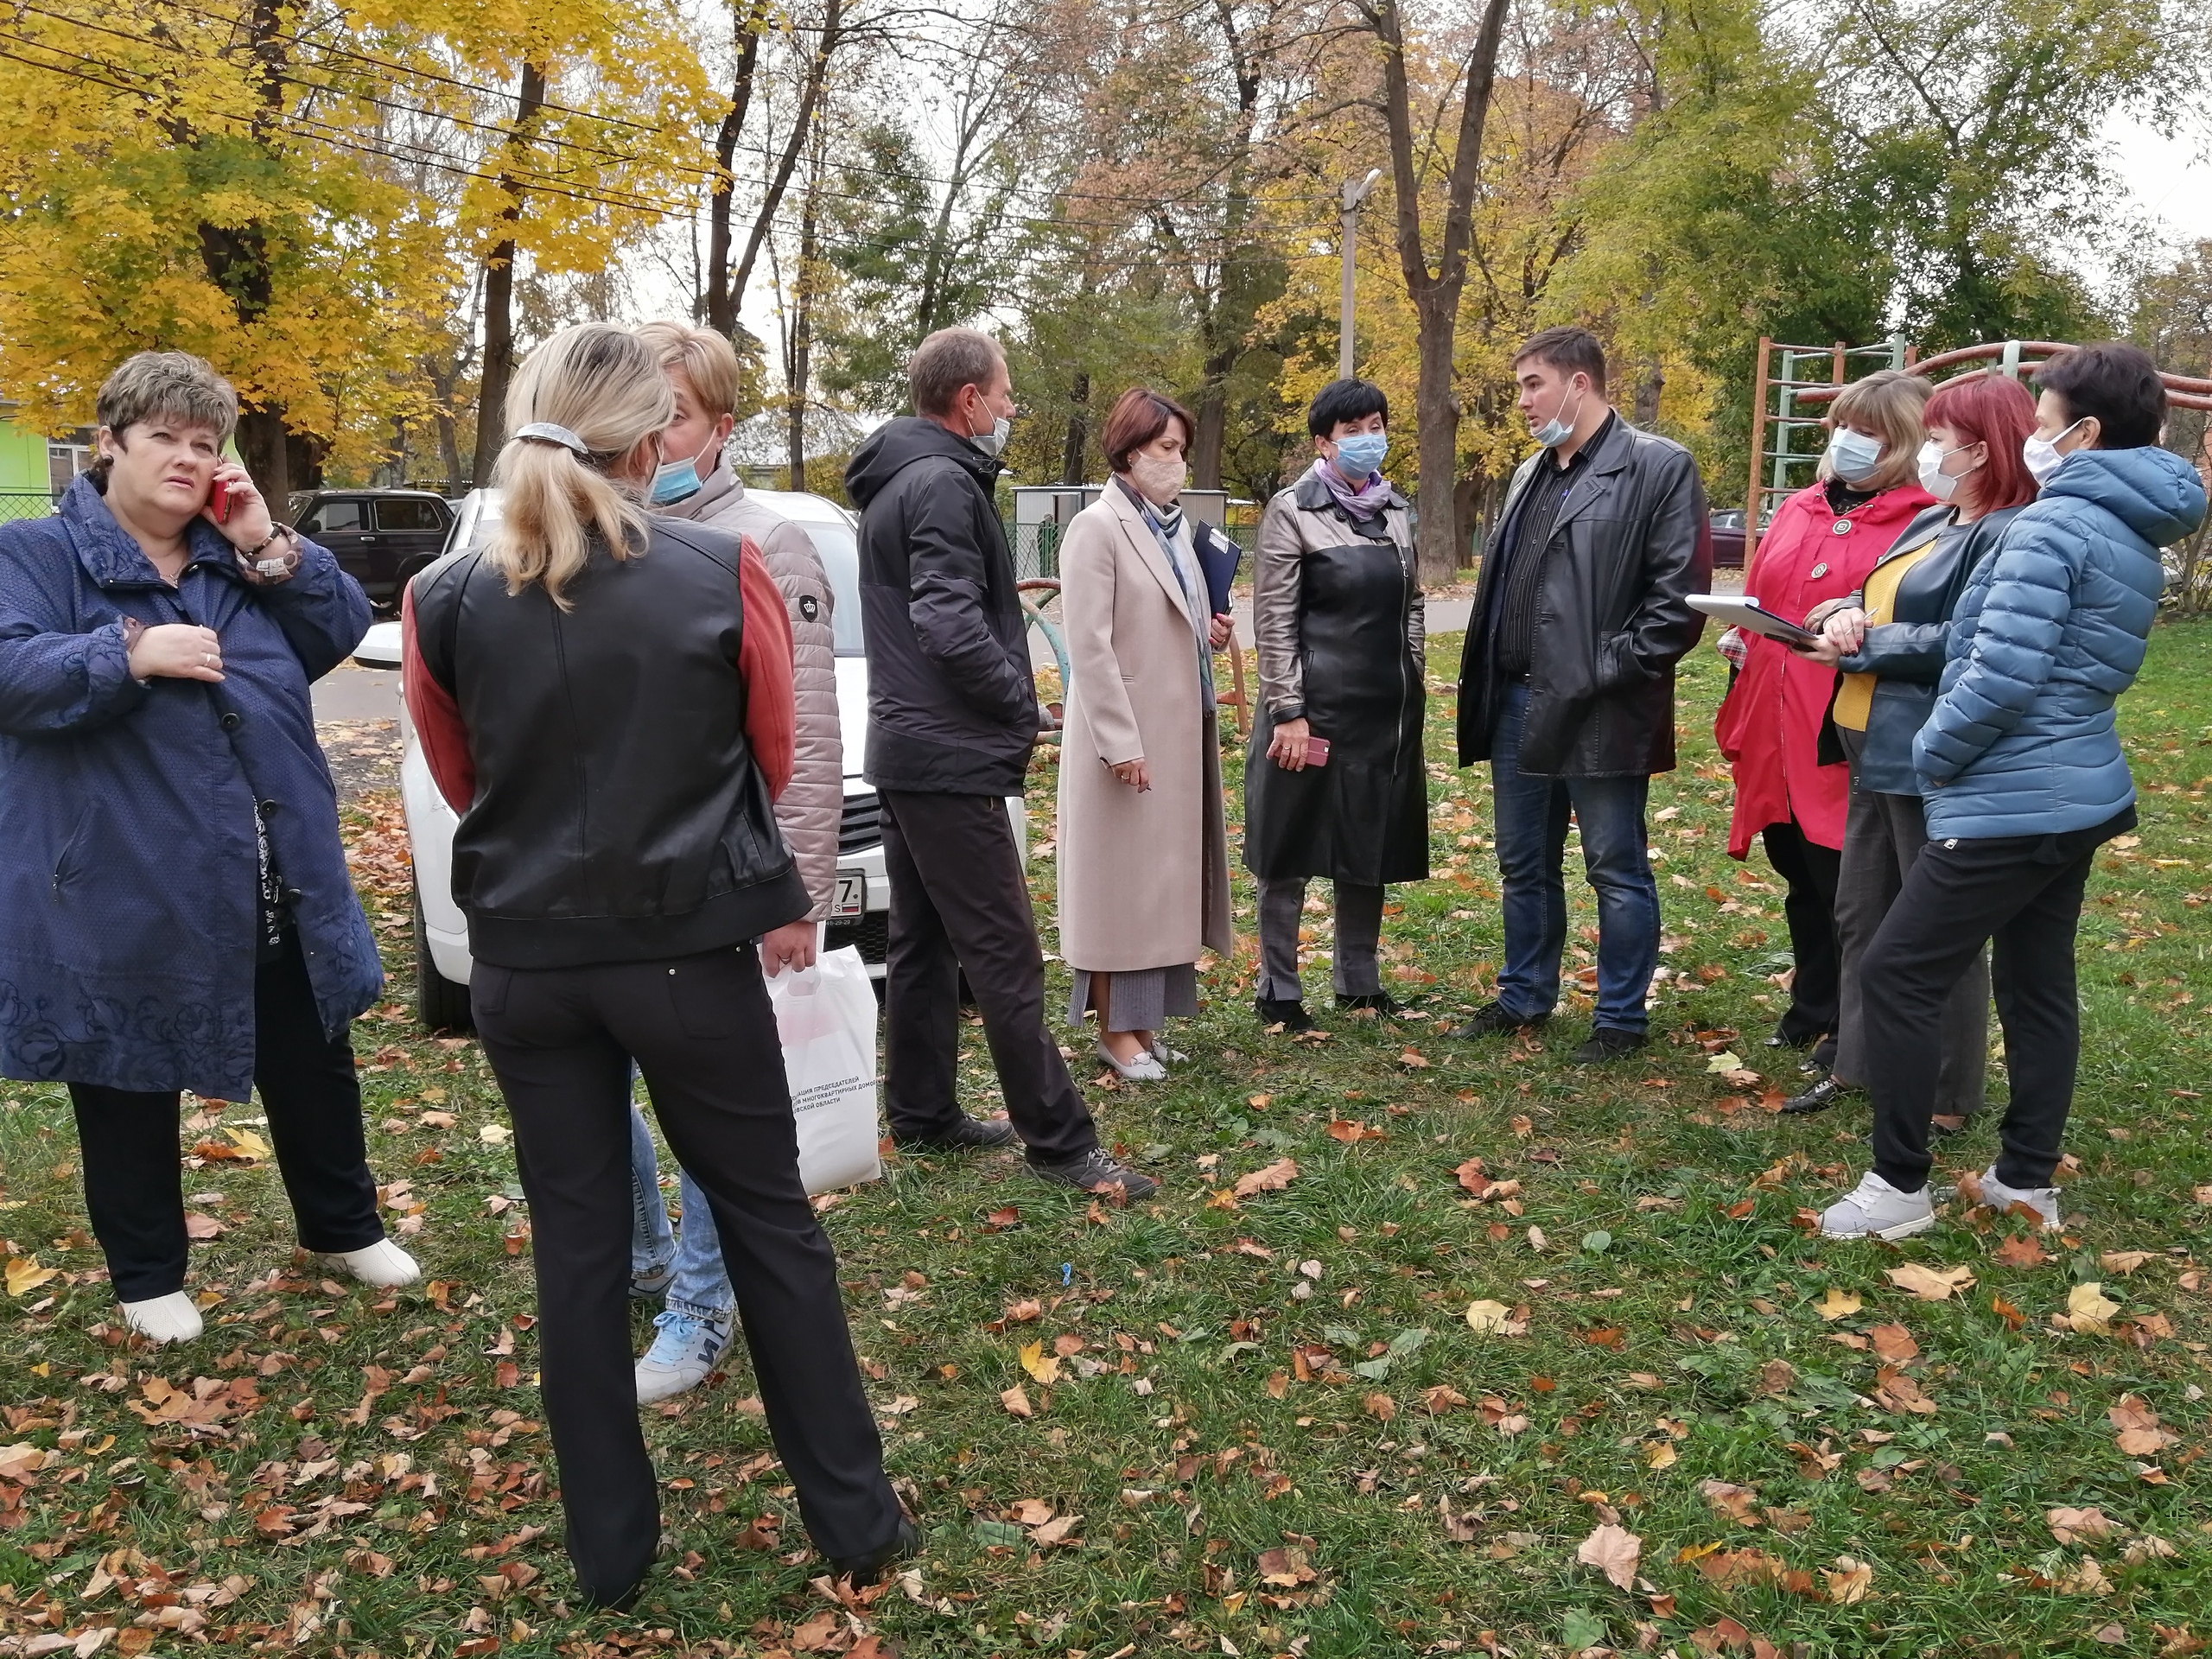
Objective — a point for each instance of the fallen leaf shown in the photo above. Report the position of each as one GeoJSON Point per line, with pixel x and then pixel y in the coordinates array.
{"type": "Point", "coordinates": [2090, 1309]}
{"type": "Point", "coordinates": [1837, 1304]}
{"type": "Point", "coordinates": [1016, 1400]}
{"type": "Point", "coordinates": [1055, 1532]}
{"type": "Point", "coordinates": [2078, 1526]}
{"type": "Point", "coordinates": [2123, 1263]}
{"type": "Point", "coordinates": [495, 1134]}
{"type": "Point", "coordinates": [1380, 1406]}
{"type": "Point", "coordinates": [1895, 1391]}
{"type": "Point", "coordinates": [1893, 1344]}
{"type": "Point", "coordinates": [2022, 1250]}
{"type": "Point", "coordinates": [1286, 1569]}
{"type": "Point", "coordinates": [2085, 1579]}
{"type": "Point", "coordinates": [1030, 1512]}
{"type": "Point", "coordinates": [1045, 1368]}
{"type": "Point", "coordinates": [1022, 1311]}
{"type": "Point", "coordinates": [1660, 1454]}
{"type": "Point", "coordinates": [1269, 1178]}
{"type": "Point", "coordinates": [197, 1226]}
{"type": "Point", "coordinates": [1613, 1551]}
{"type": "Point", "coordinates": [1737, 1503]}
{"type": "Point", "coordinates": [1442, 1398]}
{"type": "Point", "coordinates": [1411, 1059]}
{"type": "Point", "coordinates": [1488, 1317]}
{"type": "Point", "coordinates": [1931, 1284]}
{"type": "Point", "coordinates": [24, 1275]}
{"type": "Point", "coordinates": [1471, 1177]}
{"type": "Point", "coordinates": [1849, 1580]}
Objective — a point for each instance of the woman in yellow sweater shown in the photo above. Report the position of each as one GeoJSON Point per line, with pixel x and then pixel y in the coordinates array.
{"type": "Point", "coordinates": [1889, 639]}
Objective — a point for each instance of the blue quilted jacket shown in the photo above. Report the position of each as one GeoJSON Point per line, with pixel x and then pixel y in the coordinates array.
{"type": "Point", "coordinates": [128, 871]}
{"type": "Point", "coordinates": [2050, 630]}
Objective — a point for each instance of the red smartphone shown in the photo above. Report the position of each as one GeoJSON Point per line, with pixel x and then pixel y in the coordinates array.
{"type": "Point", "coordinates": [1317, 751]}
{"type": "Point", "coordinates": [218, 499]}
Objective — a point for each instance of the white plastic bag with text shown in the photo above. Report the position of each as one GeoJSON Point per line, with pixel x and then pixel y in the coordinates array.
{"type": "Point", "coordinates": [826, 1017]}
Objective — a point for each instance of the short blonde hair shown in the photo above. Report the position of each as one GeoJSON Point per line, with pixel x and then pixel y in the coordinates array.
{"type": "Point", "coordinates": [1890, 402]}
{"type": "Point", "coordinates": [601, 384]}
{"type": "Point", "coordinates": [705, 359]}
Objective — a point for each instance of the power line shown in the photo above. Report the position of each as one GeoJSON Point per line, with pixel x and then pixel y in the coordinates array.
{"type": "Point", "coordinates": [552, 107]}
{"type": "Point", "coordinates": [519, 175]}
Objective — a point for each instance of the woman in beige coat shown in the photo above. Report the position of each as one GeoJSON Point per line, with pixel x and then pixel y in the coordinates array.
{"type": "Point", "coordinates": [1143, 851]}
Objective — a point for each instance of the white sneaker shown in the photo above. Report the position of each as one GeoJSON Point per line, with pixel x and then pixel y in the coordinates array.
{"type": "Point", "coordinates": [681, 1357]}
{"type": "Point", "coordinates": [163, 1318]}
{"type": "Point", "coordinates": [383, 1264]}
{"type": "Point", "coordinates": [1876, 1210]}
{"type": "Point", "coordinates": [2043, 1200]}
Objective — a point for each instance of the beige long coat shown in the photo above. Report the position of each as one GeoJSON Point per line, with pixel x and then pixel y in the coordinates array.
{"type": "Point", "coordinates": [1144, 878]}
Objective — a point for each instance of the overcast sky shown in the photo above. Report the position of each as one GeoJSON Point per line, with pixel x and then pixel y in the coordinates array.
{"type": "Point", "coordinates": [2170, 178]}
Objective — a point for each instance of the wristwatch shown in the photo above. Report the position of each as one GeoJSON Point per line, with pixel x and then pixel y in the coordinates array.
{"type": "Point", "coordinates": [260, 565]}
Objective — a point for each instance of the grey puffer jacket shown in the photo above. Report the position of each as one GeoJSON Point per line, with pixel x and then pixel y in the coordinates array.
{"type": "Point", "coordinates": [812, 808]}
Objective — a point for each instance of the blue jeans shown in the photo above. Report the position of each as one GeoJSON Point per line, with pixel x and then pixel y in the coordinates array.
{"type": "Point", "coordinates": [1531, 817]}
{"type": "Point", "coordinates": [701, 1287]}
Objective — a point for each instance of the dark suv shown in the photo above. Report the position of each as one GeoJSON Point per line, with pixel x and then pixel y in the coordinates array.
{"type": "Point", "coordinates": [381, 537]}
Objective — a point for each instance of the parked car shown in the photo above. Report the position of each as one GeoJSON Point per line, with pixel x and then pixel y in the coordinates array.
{"type": "Point", "coordinates": [1728, 538]}
{"type": "Point", "coordinates": [860, 909]}
{"type": "Point", "coordinates": [381, 537]}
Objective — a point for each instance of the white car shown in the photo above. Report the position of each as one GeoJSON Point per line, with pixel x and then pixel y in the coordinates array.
{"type": "Point", "coordinates": [860, 909]}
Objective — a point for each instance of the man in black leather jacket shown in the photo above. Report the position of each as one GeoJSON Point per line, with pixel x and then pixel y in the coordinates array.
{"type": "Point", "coordinates": [1567, 685]}
{"type": "Point", "coordinates": [952, 714]}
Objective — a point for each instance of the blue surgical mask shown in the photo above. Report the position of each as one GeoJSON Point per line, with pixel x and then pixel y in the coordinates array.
{"type": "Point", "coordinates": [1359, 456]}
{"type": "Point", "coordinates": [1852, 456]}
{"type": "Point", "coordinates": [677, 481]}
{"type": "Point", "coordinates": [1558, 430]}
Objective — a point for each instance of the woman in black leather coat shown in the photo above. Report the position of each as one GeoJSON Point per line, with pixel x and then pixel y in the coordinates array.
{"type": "Point", "coordinates": [1337, 617]}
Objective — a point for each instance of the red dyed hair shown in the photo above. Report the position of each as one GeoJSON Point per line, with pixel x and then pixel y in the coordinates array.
{"type": "Point", "coordinates": [1995, 409]}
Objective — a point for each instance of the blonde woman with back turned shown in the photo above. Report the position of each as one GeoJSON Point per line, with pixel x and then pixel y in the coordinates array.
{"type": "Point", "coordinates": [606, 699]}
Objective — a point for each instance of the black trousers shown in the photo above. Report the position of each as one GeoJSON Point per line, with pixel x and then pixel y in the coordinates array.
{"type": "Point", "coordinates": [134, 1179]}
{"type": "Point", "coordinates": [560, 1041]}
{"type": "Point", "coordinates": [958, 900]}
{"type": "Point", "coordinates": [2021, 895]}
{"type": "Point", "coordinates": [1809, 872]}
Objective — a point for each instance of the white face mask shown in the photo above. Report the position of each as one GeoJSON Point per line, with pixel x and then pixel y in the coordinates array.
{"type": "Point", "coordinates": [1158, 478]}
{"type": "Point", "coordinates": [1852, 456]}
{"type": "Point", "coordinates": [2042, 456]}
{"type": "Point", "coordinates": [1933, 479]}
{"type": "Point", "coordinates": [993, 443]}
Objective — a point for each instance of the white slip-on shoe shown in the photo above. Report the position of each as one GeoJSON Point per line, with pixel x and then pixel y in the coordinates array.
{"type": "Point", "coordinates": [681, 1357]}
{"type": "Point", "coordinates": [1143, 1069]}
{"type": "Point", "coordinates": [2042, 1200]}
{"type": "Point", "coordinates": [1876, 1210]}
{"type": "Point", "coordinates": [383, 1264]}
{"type": "Point", "coordinates": [163, 1318]}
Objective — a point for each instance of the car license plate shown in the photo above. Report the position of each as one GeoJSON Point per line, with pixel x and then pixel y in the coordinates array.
{"type": "Point", "coordinates": [852, 895]}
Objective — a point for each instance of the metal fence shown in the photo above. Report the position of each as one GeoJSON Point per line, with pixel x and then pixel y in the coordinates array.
{"type": "Point", "coordinates": [24, 504]}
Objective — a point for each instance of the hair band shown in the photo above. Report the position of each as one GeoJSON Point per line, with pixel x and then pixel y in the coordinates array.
{"type": "Point", "coordinates": [547, 432]}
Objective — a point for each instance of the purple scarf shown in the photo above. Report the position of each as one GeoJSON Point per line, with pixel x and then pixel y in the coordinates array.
{"type": "Point", "coordinates": [1362, 503]}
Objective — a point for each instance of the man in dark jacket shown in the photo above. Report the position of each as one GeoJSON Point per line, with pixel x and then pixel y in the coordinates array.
{"type": "Point", "coordinates": [952, 715]}
{"type": "Point", "coordinates": [1567, 685]}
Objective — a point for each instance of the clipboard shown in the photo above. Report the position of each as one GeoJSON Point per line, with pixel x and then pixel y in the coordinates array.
{"type": "Point", "coordinates": [1747, 613]}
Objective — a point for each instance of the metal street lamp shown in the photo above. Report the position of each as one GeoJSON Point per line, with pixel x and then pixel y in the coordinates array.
{"type": "Point", "coordinates": [1355, 192]}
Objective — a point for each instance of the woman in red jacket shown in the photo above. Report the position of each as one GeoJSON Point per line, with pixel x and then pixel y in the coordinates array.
{"type": "Point", "coordinates": [1820, 547]}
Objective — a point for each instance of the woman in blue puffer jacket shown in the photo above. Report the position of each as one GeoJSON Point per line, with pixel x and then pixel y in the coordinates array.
{"type": "Point", "coordinates": [2023, 779]}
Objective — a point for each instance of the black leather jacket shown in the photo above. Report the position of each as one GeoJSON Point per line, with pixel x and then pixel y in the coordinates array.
{"type": "Point", "coordinates": [1909, 651]}
{"type": "Point", "coordinates": [1629, 547]}
{"type": "Point", "coordinates": [952, 704]}
{"type": "Point", "coordinates": [619, 815]}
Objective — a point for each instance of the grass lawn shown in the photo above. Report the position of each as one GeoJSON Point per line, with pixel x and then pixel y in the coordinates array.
{"type": "Point", "coordinates": [1246, 1424]}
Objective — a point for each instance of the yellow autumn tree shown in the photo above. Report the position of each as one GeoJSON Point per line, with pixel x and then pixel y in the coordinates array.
{"type": "Point", "coordinates": [299, 198]}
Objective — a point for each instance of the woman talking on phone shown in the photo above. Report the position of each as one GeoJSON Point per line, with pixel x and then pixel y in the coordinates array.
{"type": "Point", "coordinates": [175, 907]}
{"type": "Point", "coordinates": [1337, 617]}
